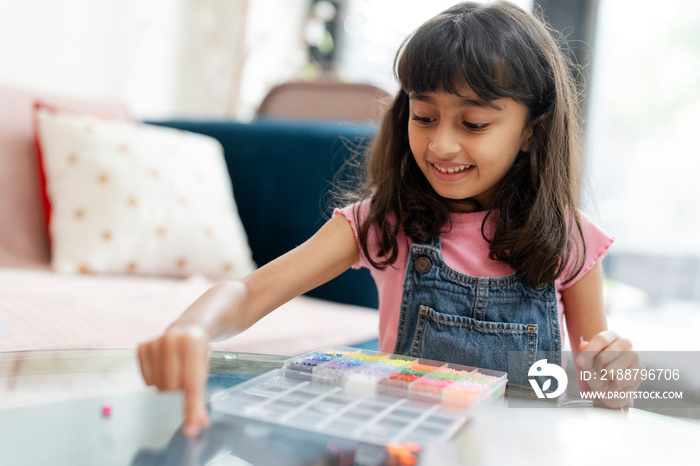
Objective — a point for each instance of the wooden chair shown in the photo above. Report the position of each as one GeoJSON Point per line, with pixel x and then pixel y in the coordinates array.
{"type": "Point", "coordinates": [325, 99]}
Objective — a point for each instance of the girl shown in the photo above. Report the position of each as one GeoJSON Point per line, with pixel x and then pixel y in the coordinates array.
{"type": "Point", "coordinates": [467, 219]}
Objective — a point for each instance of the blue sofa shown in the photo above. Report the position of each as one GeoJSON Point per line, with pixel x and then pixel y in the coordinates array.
{"type": "Point", "coordinates": [282, 173]}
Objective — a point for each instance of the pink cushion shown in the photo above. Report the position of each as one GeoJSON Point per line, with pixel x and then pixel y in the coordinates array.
{"type": "Point", "coordinates": [23, 236]}
{"type": "Point", "coordinates": [99, 311]}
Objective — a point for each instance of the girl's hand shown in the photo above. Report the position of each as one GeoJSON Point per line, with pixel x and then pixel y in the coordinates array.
{"type": "Point", "coordinates": [178, 360]}
{"type": "Point", "coordinates": [609, 355]}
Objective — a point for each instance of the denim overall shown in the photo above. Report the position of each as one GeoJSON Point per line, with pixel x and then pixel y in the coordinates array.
{"type": "Point", "coordinates": [494, 323]}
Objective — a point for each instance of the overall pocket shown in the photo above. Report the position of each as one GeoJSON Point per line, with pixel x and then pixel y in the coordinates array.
{"type": "Point", "coordinates": [503, 346]}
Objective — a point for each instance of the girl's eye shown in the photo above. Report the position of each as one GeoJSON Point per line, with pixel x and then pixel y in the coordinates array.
{"type": "Point", "coordinates": [423, 120]}
{"type": "Point", "coordinates": [475, 126]}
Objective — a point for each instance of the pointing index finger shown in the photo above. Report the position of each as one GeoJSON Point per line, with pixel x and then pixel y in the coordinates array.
{"type": "Point", "coordinates": [194, 378]}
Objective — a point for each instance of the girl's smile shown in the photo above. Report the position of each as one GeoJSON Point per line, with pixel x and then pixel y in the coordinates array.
{"type": "Point", "coordinates": [451, 173]}
{"type": "Point", "coordinates": [464, 145]}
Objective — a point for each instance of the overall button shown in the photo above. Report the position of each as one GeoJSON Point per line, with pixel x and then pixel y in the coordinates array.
{"type": "Point", "coordinates": [422, 264]}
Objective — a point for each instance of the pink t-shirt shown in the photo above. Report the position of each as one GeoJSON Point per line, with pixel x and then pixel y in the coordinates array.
{"type": "Point", "coordinates": [465, 250]}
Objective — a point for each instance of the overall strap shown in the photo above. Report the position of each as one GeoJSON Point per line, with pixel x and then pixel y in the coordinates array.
{"type": "Point", "coordinates": [433, 241]}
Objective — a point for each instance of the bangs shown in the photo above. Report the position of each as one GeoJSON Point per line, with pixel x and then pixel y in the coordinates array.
{"type": "Point", "coordinates": [457, 46]}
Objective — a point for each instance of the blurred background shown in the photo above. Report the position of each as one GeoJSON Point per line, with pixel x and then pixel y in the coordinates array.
{"type": "Point", "coordinates": [219, 59]}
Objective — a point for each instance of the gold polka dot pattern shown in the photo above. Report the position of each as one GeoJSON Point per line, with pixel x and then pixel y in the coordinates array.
{"type": "Point", "coordinates": [139, 199]}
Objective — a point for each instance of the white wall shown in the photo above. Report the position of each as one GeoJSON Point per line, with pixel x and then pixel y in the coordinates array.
{"type": "Point", "coordinates": [161, 57]}
{"type": "Point", "coordinates": [108, 48]}
{"type": "Point", "coordinates": [275, 49]}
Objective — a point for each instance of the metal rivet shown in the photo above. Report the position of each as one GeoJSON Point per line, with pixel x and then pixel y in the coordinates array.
{"type": "Point", "coordinates": [422, 264]}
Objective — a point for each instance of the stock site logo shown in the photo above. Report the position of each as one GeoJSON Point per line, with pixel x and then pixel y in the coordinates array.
{"type": "Point", "coordinates": [543, 369]}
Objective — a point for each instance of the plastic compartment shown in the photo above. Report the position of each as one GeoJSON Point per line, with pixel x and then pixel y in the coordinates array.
{"type": "Point", "coordinates": [333, 372]}
{"type": "Point", "coordinates": [495, 379]}
{"type": "Point", "coordinates": [475, 387]}
{"type": "Point", "coordinates": [463, 395]}
{"type": "Point", "coordinates": [365, 395]}
{"type": "Point", "coordinates": [429, 388]}
{"type": "Point", "coordinates": [365, 379]}
{"type": "Point", "coordinates": [392, 362]}
{"type": "Point", "coordinates": [301, 367]}
{"type": "Point", "coordinates": [398, 382]}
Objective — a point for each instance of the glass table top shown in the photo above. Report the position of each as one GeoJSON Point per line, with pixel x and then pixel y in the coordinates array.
{"type": "Point", "coordinates": [38, 377]}
{"type": "Point", "coordinates": [91, 407]}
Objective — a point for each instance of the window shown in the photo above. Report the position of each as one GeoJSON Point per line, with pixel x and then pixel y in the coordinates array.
{"type": "Point", "coordinates": [644, 121]}
{"type": "Point", "coordinates": [373, 31]}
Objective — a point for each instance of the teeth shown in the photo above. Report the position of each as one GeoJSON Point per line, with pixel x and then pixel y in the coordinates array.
{"type": "Point", "coordinates": [452, 170]}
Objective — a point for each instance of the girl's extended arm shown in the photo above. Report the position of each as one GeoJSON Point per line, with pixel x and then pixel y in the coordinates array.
{"type": "Point", "coordinates": [584, 307]}
{"type": "Point", "coordinates": [178, 360]}
{"type": "Point", "coordinates": [588, 333]}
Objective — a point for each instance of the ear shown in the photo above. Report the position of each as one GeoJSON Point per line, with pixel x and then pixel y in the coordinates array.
{"type": "Point", "coordinates": [528, 133]}
{"type": "Point", "coordinates": [527, 139]}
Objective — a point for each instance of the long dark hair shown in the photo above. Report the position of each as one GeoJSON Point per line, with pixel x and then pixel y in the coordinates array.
{"type": "Point", "coordinates": [500, 51]}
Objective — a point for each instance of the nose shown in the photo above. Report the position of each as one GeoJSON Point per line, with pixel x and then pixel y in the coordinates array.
{"type": "Point", "coordinates": [444, 141]}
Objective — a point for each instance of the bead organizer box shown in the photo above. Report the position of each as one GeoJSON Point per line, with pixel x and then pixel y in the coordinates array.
{"type": "Point", "coordinates": [366, 395]}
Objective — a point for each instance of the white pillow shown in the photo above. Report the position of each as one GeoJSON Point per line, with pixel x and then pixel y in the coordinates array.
{"type": "Point", "coordinates": [135, 198]}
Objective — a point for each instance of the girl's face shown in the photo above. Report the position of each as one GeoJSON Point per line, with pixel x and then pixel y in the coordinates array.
{"type": "Point", "coordinates": [463, 145]}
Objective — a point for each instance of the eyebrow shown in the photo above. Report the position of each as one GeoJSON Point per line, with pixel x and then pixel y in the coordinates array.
{"type": "Point", "coordinates": [463, 101]}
